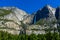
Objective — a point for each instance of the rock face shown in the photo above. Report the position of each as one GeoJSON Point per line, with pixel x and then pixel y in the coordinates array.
{"type": "Point", "coordinates": [11, 17]}
{"type": "Point", "coordinates": [57, 13]}
{"type": "Point", "coordinates": [28, 19]}
{"type": "Point", "coordinates": [46, 12]}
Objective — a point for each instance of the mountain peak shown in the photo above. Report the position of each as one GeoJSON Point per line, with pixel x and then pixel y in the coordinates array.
{"type": "Point", "coordinates": [47, 6]}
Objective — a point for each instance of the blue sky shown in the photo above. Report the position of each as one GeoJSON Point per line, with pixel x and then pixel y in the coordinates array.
{"type": "Point", "coordinates": [30, 6]}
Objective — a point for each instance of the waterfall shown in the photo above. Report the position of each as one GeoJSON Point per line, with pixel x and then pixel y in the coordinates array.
{"type": "Point", "coordinates": [35, 19]}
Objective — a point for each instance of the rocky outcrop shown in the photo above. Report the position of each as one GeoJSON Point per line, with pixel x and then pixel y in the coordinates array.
{"type": "Point", "coordinates": [46, 12]}
{"type": "Point", "coordinates": [11, 18]}
{"type": "Point", "coordinates": [57, 13]}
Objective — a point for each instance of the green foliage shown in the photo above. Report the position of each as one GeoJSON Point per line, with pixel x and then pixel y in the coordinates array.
{"type": "Point", "coordinates": [40, 36]}
{"type": "Point", "coordinates": [32, 37]}
{"type": "Point", "coordinates": [4, 12]}
{"type": "Point", "coordinates": [41, 22]}
{"type": "Point", "coordinates": [44, 21]}
{"type": "Point", "coordinates": [47, 36]}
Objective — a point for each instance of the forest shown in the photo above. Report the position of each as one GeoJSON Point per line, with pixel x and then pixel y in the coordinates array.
{"type": "Point", "coordinates": [47, 36]}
